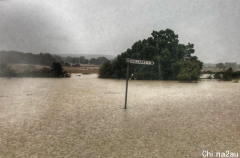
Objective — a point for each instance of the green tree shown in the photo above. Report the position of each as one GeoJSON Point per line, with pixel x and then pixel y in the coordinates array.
{"type": "Point", "coordinates": [57, 58]}
{"type": "Point", "coordinates": [176, 67]}
{"type": "Point", "coordinates": [190, 71]}
{"type": "Point", "coordinates": [93, 61]}
{"type": "Point", "coordinates": [82, 60]}
{"type": "Point", "coordinates": [106, 70]}
{"type": "Point", "coordinates": [164, 49]}
{"type": "Point", "coordinates": [220, 65]}
{"type": "Point", "coordinates": [227, 75]}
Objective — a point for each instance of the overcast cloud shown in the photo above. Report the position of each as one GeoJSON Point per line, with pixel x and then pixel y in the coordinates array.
{"type": "Point", "coordinates": [111, 26]}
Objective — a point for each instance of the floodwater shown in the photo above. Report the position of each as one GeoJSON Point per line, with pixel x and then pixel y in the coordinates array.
{"type": "Point", "coordinates": [85, 117]}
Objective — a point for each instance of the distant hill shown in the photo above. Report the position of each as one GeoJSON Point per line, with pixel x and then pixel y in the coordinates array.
{"type": "Point", "coordinates": [14, 57]}
{"type": "Point", "coordinates": [88, 56]}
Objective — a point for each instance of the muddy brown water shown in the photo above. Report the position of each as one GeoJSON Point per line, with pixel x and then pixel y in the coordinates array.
{"type": "Point", "coordinates": [83, 116]}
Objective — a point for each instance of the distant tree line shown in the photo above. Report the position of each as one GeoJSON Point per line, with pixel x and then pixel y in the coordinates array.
{"type": "Point", "coordinates": [98, 61]}
{"type": "Point", "coordinates": [232, 65]}
{"type": "Point", "coordinates": [172, 60]}
{"type": "Point", "coordinates": [83, 60]}
{"type": "Point", "coordinates": [74, 60]}
{"type": "Point", "coordinates": [14, 57]}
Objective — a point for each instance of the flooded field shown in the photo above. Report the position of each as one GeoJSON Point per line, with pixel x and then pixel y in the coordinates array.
{"type": "Point", "coordinates": [84, 117]}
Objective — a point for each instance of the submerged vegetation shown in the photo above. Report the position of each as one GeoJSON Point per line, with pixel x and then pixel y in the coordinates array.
{"type": "Point", "coordinates": [172, 60]}
{"type": "Point", "coordinates": [227, 75]}
{"type": "Point", "coordinates": [224, 75]}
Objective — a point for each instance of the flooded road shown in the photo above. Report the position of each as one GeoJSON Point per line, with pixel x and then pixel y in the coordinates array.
{"type": "Point", "coordinates": [84, 117]}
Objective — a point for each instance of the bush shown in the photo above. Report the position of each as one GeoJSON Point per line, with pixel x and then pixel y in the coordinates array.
{"type": "Point", "coordinates": [190, 71]}
{"type": "Point", "coordinates": [106, 70]}
{"type": "Point", "coordinates": [236, 75]}
{"type": "Point", "coordinates": [57, 69]}
{"type": "Point", "coordinates": [218, 75]}
{"type": "Point", "coordinates": [227, 75]}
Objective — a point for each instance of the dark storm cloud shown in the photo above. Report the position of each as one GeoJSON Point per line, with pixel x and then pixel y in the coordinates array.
{"type": "Point", "coordinates": [110, 27]}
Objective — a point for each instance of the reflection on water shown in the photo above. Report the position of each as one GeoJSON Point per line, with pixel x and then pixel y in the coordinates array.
{"type": "Point", "coordinates": [84, 117]}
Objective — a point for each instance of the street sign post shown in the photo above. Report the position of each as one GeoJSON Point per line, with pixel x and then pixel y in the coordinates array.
{"type": "Point", "coordinates": [134, 61]}
{"type": "Point", "coordinates": [127, 60]}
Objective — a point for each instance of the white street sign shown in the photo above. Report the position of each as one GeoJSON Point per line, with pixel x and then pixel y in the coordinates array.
{"type": "Point", "coordinates": [144, 62]}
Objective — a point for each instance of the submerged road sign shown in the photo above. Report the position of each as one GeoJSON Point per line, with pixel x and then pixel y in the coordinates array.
{"type": "Point", "coordinates": [143, 62]}
{"type": "Point", "coordinates": [134, 61]}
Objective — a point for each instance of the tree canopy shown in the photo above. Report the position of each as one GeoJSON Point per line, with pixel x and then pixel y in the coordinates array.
{"type": "Point", "coordinates": [163, 47]}
{"type": "Point", "coordinates": [220, 65]}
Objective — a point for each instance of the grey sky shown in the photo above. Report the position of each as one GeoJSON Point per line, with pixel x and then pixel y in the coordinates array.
{"type": "Point", "coordinates": [112, 26]}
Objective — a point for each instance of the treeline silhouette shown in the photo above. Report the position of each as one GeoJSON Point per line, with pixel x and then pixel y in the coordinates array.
{"type": "Point", "coordinates": [228, 65]}
{"type": "Point", "coordinates": [46, 59]}
{"type": "Point", "coordinates": [14, 57]}
{"type": "Point", "coordinates": [80, 60]}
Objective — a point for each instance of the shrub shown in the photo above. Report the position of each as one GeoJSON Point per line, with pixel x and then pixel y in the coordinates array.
{"type": "Point", "coordinates": [106, 70]}
{"type": "Point", "coordinates": [227, 75]}
{"type": "Point", "coordinates": [218, 75]}
{"type": "Point", "coordinates": [190, 71]}
{"type": "Point", "coordinates": [57, 69]}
